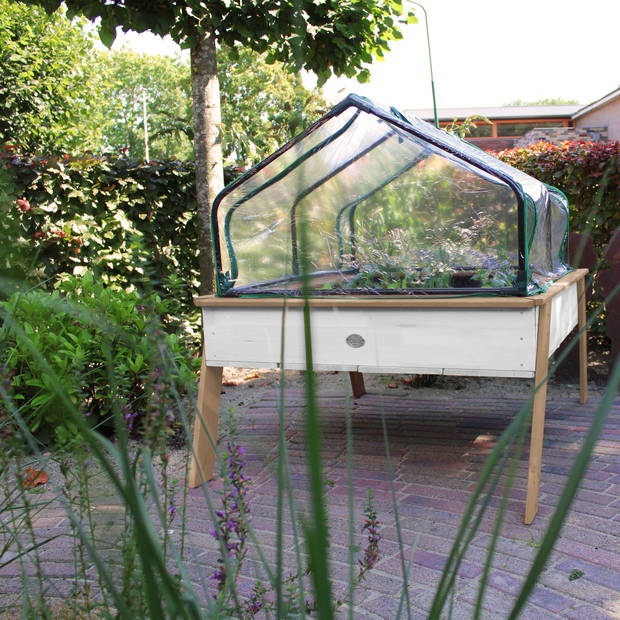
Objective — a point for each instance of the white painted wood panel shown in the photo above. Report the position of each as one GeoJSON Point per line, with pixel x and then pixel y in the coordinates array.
{"type": "Point", "coordinates": [564, 311]}
{"type": "Point", "coordinates": [483, 342]}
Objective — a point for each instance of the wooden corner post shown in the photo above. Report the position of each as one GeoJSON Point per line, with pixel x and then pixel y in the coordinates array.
{"type": "Point", "coordinates": [538, 411]}
{"type": "Point", "coordinates": [202, 463]}
{"type": "Point", "coordinates": [583, 340]}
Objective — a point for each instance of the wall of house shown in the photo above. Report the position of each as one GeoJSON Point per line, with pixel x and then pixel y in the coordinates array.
{"type": "Point", "coordinates": [607, 115]}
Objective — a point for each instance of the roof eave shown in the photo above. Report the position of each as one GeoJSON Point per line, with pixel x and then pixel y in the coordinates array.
{"type": "Point", "coordinates": [597, 104]}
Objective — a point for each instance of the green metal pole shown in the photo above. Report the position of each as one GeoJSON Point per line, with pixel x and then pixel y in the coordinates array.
{"type": "Point", "coordinates": [430, 61]}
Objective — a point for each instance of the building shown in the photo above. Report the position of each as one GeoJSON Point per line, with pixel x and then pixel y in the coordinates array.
{"type": "Point", "coordinates": [513, 126]}
{"type": "Point", "coordinates": [508, 123]}
{"type": "Point", "coordinates": [602, 113]}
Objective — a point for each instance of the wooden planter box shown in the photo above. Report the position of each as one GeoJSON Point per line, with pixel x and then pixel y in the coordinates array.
{"type": "Point", "coordinates": [471, 336]}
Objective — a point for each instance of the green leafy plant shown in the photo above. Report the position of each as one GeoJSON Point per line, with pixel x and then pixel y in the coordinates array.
{"type": "Point", "coordinates": [71, 327]}
{"type": "Point", "coordinates": [465, 127]}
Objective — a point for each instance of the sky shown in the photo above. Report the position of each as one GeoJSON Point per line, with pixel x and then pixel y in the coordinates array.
{"type": "Point", "coordinates": [487, 53]}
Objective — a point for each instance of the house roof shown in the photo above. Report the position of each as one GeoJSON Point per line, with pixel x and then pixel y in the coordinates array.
{"type": "Point", "coordinates": [598, 103]}
{"type": "Point", "coordinates": [499, 113]}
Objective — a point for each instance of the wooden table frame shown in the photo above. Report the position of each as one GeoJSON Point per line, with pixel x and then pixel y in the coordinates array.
{"type": "Point", "coordinates": [246, 333]}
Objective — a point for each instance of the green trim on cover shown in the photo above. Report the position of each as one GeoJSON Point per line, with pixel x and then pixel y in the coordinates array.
{"type": "Point", "coordinates": [234, 271]}
{"type": "Point", "coordinates": [288, 297]}
{"type": "Point", "coordinates": [531, 237]}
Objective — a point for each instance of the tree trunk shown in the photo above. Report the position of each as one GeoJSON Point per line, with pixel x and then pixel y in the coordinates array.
{"type": "Point", "coordinates": [207, 150]}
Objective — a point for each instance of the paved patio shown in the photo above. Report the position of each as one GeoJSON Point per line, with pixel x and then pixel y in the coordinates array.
{"type": "Point", "coordinates": [437, 448]}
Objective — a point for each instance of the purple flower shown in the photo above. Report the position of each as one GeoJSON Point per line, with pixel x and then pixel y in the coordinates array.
{"type": "Point", "coordinates": [371, 552]}
{"type": "Point", "coordinates": [230, 526]}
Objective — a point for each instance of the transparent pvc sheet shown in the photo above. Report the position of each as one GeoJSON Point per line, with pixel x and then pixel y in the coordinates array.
{"type": "Point", "coordinates": [548, 252]}
{"type": "Point", "coordinates": [440, 225]}
{"type": "Point", "coordinates": [376, 208]}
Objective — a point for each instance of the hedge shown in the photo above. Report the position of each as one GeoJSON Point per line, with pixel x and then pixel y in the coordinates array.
{"type": "Point", "coordinates": [587, 172]}
{"type": "Point", "coordinates": [128, 221]}
{"type": "Point", "coordinates": [135, 222]}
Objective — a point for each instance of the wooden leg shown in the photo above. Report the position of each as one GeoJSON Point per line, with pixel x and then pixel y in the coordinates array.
{"type": "Point", "coordinates": [205, 426]}
{"type": "Point", "coordinates": [538, 413]}
{"type": "Point", "coordinates": [583, 341]}
{"type": "Point", "coordinates": [357, 384]}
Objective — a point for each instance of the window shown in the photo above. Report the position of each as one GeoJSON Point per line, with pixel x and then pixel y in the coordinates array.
{"type": "Point", "coordinates": [519, 129]}
{"type": "Point", "coordinates": [482, 130]}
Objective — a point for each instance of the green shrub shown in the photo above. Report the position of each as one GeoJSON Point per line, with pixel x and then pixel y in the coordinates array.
{"type": "Point", "coordinates": [125, 221]}
{"type": "Point", "coordinates": [110, 350]}
{"type": "Point", "coordinates": [587, 172]}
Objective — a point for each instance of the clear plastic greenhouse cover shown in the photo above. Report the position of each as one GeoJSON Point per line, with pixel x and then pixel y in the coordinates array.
{"type": "Point", "coordinates": [369, 202]}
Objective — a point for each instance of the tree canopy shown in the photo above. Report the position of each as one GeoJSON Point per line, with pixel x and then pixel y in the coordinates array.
{"type": "Point", "coordinates": [163, 84]}
{"type": "Point", "coordinates": [47, 82]}
{"type": "Point", "coordinates": [62, 95]}
{"type": "Point", "coordinates": [263, 105]}
{"type": "Point", "coordinates": [322, 36]}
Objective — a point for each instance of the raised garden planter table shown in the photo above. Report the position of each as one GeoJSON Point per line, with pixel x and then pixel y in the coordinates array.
{"type": "Point", "coordinates": [470, 336]}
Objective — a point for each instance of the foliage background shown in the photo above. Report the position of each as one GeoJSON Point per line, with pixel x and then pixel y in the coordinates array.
{"type": "Point", "coordinates": [47, 84]}
{"type": "Point", "coordinates": [135, 222]}
{"type": "Point", "coordinates": [587, 172]}
{"type": "Point", "coordinates": [81, 98]}
{"type": "Point", "coordinates": [125, 221]}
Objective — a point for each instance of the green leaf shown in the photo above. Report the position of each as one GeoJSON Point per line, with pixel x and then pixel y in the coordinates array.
{"type": "Point", "coordinates": [107, 35]}
{"type": "Point", "coordinates": [363, 76]}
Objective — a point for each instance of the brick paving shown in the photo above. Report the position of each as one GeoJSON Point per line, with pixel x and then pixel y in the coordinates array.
{"type": "Point", "coordinates": [437, 448]}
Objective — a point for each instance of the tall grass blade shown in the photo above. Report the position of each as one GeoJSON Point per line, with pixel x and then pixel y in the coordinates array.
{"type": "Point", "coordinates": [316, 532]}
{"type": "Point", "coordinates": [499, 520]}
{"type": "Point", "coordinates": [570, 490]}
{"type": "Point", "coordinates": [399, 533]}
{"type": "Point", "coordinates": [286, 471]}
{"type": "Point", "coordinates": [317, 536]}
{"type": "Point", "coordinates": [498, 454]}
{"type": "Point", "coordinates": [34, 547]}
{"type": "Point", "coordinates": [279, 577]}
{"type": "Point", "coordinates": [350, 504]}
{"type": "Point", "coordinates": [405, 590]}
